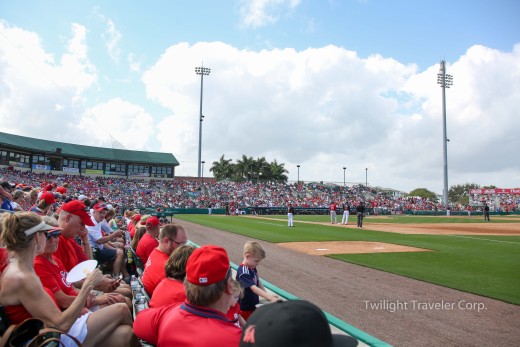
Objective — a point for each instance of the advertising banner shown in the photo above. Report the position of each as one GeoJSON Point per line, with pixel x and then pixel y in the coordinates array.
{"type": "Point", "coordinates": [93, 172]}
{"type": "Point", "coordinates": [495, 191]}
{"type": "Point", "coordinates": [40, 167]}
{"type": "Point", "coordinates": [71, 169]}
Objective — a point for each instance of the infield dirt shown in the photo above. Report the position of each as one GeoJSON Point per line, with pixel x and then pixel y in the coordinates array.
{"type": "Point", "coordinates": [355, 247]}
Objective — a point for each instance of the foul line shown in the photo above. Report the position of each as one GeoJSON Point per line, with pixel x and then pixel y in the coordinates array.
{"type": "Point", "coordinates": [477, 238]}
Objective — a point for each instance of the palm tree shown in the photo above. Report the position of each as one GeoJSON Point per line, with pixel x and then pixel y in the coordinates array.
{"type": "Point", "coordinates": [243, 168]}
{"type": "Point", "coordinates": [260, 168]}
{"type": "Point", "coordinates": [278, 171]}
{"type": "Point", "coordinates": [222, 169]}
{"type": "Point", "coordinates": [248, 168]}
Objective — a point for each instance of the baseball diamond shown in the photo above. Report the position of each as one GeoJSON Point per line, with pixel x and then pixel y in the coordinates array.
{"type": "Point", "coordinates": [398, 310]}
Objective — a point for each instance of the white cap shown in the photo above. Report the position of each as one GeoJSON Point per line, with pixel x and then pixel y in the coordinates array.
{"type": "Point", "coordinates": [81, 197]}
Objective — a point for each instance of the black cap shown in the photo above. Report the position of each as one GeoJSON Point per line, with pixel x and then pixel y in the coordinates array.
{"type": "Point", "coordinates": [6, 184]}
{"type": "Point", "coordinates": [289, 324]}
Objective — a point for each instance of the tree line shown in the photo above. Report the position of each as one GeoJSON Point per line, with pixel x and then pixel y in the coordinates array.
{"type": "Point", "coordinates": [248, 168]}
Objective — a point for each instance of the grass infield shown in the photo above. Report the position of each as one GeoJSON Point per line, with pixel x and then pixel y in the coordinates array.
{"type": "Point", "coordinates": [484, 265]}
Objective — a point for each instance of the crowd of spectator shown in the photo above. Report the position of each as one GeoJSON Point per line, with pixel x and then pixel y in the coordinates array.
{"type": "Point", "coordinates": [65, 220]}
{"type": "Point", "coordinates": [195, 193]}
{"type": "Point", "coordinates": [62, 223]}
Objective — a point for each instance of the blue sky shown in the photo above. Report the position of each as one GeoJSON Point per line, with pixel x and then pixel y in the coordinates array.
{"type": "Point", "coordinates": [323, 84]}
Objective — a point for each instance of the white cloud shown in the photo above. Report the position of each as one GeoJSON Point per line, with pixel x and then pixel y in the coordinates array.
{"type": "Point", "coordinates": [323, 108]}
{"type": "Point", "coordinates": [130, 124]}
{"type": "Point", "coordinates": [257, 13]}
{"type": "Point", "coordinates": [33, 82]}
{"type": "Point", "coordinates": [111, 35]}
{"type": "Point", "coordinates": [135, 65]}
{"type": "Point", "coordinates": [112, 38]}
{"type": "Point", "coordinates": [326, 108]}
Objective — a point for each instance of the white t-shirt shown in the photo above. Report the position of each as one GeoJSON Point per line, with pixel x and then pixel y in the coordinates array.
{"type": "Point", "coordinates": [94, 234]}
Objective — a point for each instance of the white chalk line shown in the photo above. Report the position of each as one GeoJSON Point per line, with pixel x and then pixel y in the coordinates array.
{"type": "Point", "coordinates": [491, 240]}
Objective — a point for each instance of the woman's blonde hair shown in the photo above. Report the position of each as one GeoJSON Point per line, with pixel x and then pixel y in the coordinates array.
{"type": "Point", "coordinates": [238, 287]}
{"type": "Point", "coordinates": [13, 229]}
{"type": "Point", "coordinates": [139, 232]}
{"type": "Point", "coordinates": [34, 193]}
{"type": "Point", "coordinates": [175, 266]}
{"type": "Point", "coordinates": [18, 194]}
{"type": "Point", "coordinates": [42, 205]}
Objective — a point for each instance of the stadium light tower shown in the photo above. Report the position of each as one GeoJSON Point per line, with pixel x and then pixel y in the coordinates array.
{"type": "Point", "coordinates": [366, 177]}
{"type": "Point", "coordinates": [344, 168]}
{"type": "Point", "coordinates": [298, 166]}
{"type": "Point", "coordinates": [202, 71]}
{"type": "Point", "coordinates": [445, 81]}
{"type": "Point", "coordinates": [202, 177]}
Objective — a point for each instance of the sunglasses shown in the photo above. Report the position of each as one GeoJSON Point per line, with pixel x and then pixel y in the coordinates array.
{"type": "Point", "coordinates": [178, 243]}
{"type": "Point", "coordinates": [55, 234]}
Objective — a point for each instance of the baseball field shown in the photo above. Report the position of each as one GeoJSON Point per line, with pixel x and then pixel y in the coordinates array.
{"type": "Point", "coordinates": [398, 263]}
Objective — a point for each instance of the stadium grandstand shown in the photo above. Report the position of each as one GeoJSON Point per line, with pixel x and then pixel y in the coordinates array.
{"type": "Point", "coordinates": [25, 153]}
{"type": "Point", "coordinates": [146, 180]}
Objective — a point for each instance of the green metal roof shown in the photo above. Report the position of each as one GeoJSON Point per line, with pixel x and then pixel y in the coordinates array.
{"type": "Point", "coordinates": [79, 151]}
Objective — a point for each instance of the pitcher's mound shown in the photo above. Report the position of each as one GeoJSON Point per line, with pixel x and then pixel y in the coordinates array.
{"type": "Point", "coordinates": [347, 247]}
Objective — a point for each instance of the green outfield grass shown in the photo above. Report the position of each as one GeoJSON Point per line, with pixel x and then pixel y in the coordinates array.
{"type": "Point", "coordinates": [403, 219]}
{"type": "Point", "coordinates": [483, 265]}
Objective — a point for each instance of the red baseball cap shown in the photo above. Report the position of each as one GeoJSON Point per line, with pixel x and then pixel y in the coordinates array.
{"type": "Point", "coordinates": [48, 187]}
{"type": "Point", "coordinates": [152, 221]}
{"type": "Point", "coordinates": [207, 265]}
{"type": "Point", "coordinates": [61, 190]}
{"type": "Point", "coordinates": [48, 197]}
{"type": "Point", "coordinates": [100, 206]}
{"type": "Point", "coordinates": [79, 209]}
{"type": "Point", "coordinates": [136, 217]}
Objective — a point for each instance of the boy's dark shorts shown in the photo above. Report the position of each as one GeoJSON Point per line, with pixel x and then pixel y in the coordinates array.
{"type": "Point", "coordinates": [105, 255]}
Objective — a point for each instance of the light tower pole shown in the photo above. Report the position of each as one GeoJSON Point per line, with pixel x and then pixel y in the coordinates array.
{"type": "Point", "coordinates": [202, 71]}
{"type": "Point", "coordinates": [366, 177]}
{"type": "Point", "coordinates": [202, 177]}
{"type": "Point", "coordinates": [344, 168]}
{"type": "Point", "coordinates": [298, 166]}
{"type": "Point", "coordinates": [445, 81]}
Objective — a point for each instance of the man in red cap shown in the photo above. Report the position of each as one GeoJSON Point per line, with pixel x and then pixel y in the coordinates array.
{"type": "Point", "coordinates": [201, 320]}
{"type": "Point", "coordinates": [149, 240]}
{"type": "Point", "coordinates": [171, 237]}
{"type": "Point", "coordinates": [72, 218]}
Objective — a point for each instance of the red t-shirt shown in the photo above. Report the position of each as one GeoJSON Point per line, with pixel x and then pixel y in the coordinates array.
{"type": "Point", "coordinates": [17, 313]}
{"type": "Point", "coordinates": [4, 259]}
{"type": "Point", "coordinates": [53, 276]}
{"type": "Point", "coordinates": [194, 326]}
{"type": "Point", "coordinates": [154, 270]}
{"type": "Point", "coordinates": [167, 292]}
{"type": "Point", "coordinates": [145, 247]}
{"type": "Point", "coordinates": [69, 253]}
{"type": "Point", "coordinates": [131, 229]}
{"type": "Point", "coordinates": [233, 314]}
